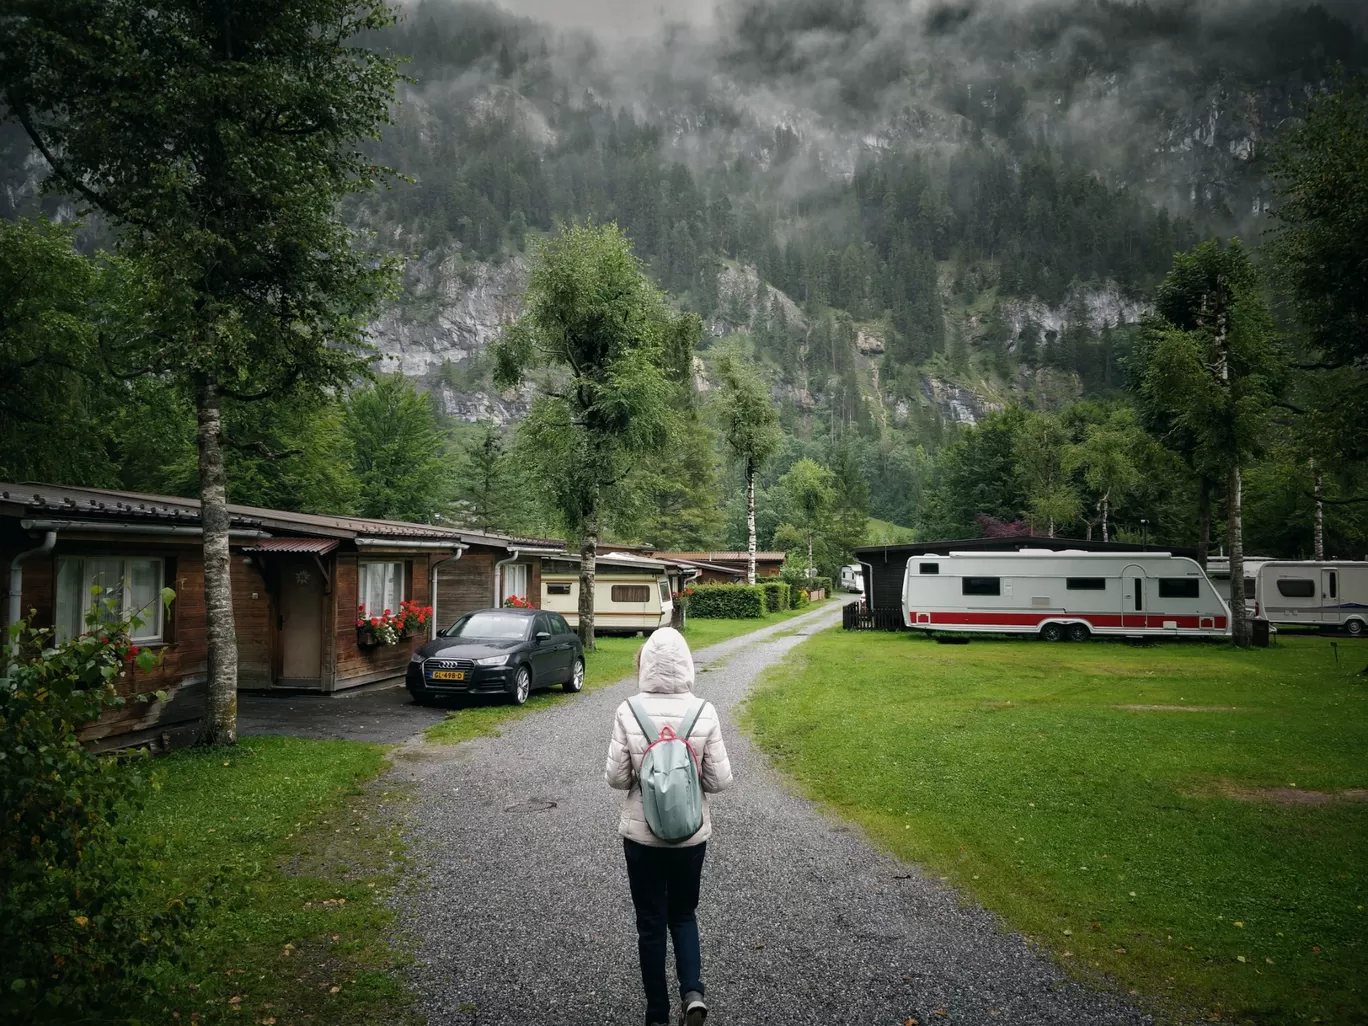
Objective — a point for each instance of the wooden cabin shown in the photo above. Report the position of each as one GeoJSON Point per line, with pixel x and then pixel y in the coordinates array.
{"type": "Point", "coordinates": [725, 567]}
{"type": "Point", "coordinates": [300, 584]}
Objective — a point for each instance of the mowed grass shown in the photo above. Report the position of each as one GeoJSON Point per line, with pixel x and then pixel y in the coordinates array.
{"type": "Point", "coordinates": [613, 658]}
{"type": "Point", "coordinates": [1206, 855]}
{"type": "Point", "coordinates": [303, 855]}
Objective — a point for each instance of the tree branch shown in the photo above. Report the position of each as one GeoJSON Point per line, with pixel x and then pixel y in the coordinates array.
{"type": "Point", "coordinates": [71, 180]}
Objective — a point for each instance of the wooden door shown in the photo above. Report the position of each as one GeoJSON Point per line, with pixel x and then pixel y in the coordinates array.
{"type": "Point", "coordinates": [301, 622]}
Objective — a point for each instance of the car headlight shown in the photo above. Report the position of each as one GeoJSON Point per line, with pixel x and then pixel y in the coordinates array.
{"type": "Point", "coordinates": [417, 657]}
{"type": "Point", "coordinates": [492, 661]}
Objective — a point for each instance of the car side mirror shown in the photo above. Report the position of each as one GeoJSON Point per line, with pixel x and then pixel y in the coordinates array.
{"type": "Point", "coordinates": [543, 635]}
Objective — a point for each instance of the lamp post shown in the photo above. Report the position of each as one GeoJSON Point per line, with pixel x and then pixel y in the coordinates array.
{"type": "Point", "coordinates": [1144, 533]}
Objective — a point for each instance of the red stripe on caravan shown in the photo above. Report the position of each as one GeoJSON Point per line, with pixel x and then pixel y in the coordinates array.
{"type": "Point", "coordinates": [1151, 622]}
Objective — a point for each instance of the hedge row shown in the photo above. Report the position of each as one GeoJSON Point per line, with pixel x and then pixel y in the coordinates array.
{"type": "Point", "coordinates": [776, 595]}
{"type": "Point", "coordinates": [728, 602]}
{"type": "Point", "coordinates": [799, 597]}
{"type": "Point", "coordinates": [820, 584]}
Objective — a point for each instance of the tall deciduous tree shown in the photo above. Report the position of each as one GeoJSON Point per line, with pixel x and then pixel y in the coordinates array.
{"type": "Point", "coordinates": [1041, 446]}
{"type": "Point", "coordinates": [750, 425]}
{"type": "Point", "coordinates": [1106, 457]}
{"type": "Point", "coordinates": [1212, 370]}
{"type": "Point", "coordinates": [810, 490]}
{"type": "Point", "coordinates": [217, 139]}
{"type": "Point", "coordinates": [592, 317]}
{"type": "Point", "coordinates": [399, 455]}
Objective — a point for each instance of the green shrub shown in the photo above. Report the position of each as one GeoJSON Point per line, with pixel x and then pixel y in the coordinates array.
{"type": "Point", "coordinates": [800, 598]}
{"type": "Point", "coordinates": [776, 595]}
{"type": "Point", "coordinates": [79, 941]}
{"type": "Point", "coordinates": [820, 584]}
{"type": "Point", "coordinates": [728, 602]}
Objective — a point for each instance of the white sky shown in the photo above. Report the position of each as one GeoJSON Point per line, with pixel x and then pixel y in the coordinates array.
{"type": "Point", "coordinates": [612, 15]}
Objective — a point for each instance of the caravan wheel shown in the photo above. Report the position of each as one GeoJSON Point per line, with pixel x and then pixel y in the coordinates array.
{"type": "Point", "coordinates": [1052, 632]}
{"type": "Point", "coordinates": [1079, 632]}
{"type": "Point", "coordinates": [1355, 627]}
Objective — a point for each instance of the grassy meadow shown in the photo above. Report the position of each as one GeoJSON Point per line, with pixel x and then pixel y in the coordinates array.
{"type": "Point", "coordinates": [1185, 819]}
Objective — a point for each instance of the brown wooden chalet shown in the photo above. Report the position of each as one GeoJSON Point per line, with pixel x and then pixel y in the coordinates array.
{"type": "Point", "coordinates": [725, 567]}
{"type": "Point", "coordinates": [300, 581]}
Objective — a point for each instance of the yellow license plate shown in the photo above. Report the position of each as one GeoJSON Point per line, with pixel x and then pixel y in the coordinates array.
{"type": "Point", "coordinates": [448, 675]}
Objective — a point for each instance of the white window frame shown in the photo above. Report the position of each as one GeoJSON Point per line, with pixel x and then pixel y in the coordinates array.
{"type": "Point", "coordinates": [153, 613]}
{"type": "Point", "coordinates": [516, 580]}
{"type": "Point", "coordinates": [392, 590]}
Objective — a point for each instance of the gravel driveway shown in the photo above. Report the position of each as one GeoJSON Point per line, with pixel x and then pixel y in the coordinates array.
{"type": "Point", "coordinates": [525, 917]}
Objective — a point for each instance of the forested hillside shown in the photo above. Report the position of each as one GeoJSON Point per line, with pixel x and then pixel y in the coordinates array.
{"type": "Point", "coordinates": [933, 231]}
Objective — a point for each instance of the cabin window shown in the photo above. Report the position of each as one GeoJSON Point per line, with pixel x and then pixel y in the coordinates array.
{"type": "Point", "coordinates": [1085, 583]}
{"type": "Point", "coordinates": [981, 586]}
{"type": "Point", "coordinates": [1297, 587]}
{"type": "Point", "coordinates": [929, 568]}
{"type": "Point", "coordinates": [514, 581]}
{"type": "Point", "coordinates": [381, 587]}
{"type": "Point", "coordinates": [132, 585]}
{"type": "Point", "coordinates": [631, 593]}
{"type": "Point", "coordinates": [558, 589]}
{"type": "Point", "coordinates": [1178, 587]}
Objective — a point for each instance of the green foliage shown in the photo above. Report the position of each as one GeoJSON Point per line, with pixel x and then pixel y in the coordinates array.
{"type": "Point", "coordinates": [401, 462]}
{"type": "Point", "coordinates": [810, 490]}
{"type": "Point", "coordinates": [776, 595]}
{"type": "Point", "coordinates": [820, 584]}
{"type": "Point", "coordinates": [79, 937]}
{"type": "Point", "coordinates": [490, 489]}
{"type": "Point", "coordinates": [1107, 458]}
{"type": "Point", "coordinates": [728, 602]}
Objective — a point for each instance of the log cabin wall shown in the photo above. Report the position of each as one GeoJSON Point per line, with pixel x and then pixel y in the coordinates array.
{"type": "Point", "coordinates": [353, 664]}
{"type": "Point", "coordinates": [466, 584]}
{"type": "Point", "coordinates": [182, 668]}
{"type": "Point", "coordinates": [254, 617]}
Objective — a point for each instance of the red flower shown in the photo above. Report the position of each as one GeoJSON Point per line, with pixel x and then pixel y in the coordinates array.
{"type": "Point", "coordinates": [375, 621]}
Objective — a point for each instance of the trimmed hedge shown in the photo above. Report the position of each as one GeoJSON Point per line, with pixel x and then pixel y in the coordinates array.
{"type": "Point", "coordinates": [728, 602]}
{"type": "Point", "coordinates": [820, 584]}
{"type": "Point", "coordinates": [776, 595]}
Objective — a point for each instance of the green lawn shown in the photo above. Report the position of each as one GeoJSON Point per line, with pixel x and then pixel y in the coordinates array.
{"type": "Point", "coordinates": [1171, 816]}
{"type": "Point", "coordinates": [303, 857]}
{"type": "Point", "coordinates": [611, 660]}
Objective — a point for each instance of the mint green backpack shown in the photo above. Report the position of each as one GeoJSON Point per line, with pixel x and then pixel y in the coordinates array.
{"type": "Point", "coordinates": [671, 791]}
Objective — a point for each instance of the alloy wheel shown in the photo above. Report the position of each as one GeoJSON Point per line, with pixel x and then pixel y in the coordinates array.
{"type": "Point", "coordinates": [522, 686]}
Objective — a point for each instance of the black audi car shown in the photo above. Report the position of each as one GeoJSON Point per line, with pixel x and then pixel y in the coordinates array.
{"type": "Point", "coordinates": [498, 651]}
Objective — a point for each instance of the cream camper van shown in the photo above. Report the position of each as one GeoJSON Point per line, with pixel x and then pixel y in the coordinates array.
{"type": "Point", "coordinates": [631, 593]}
{"type": "Point", "coordinates": [1330, 593]}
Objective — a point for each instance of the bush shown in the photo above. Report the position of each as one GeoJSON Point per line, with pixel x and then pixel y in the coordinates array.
{"type": "Point", "coordinates": [728, 602]}
{"type": "Point", "coordinates": [78, 940]}
{"type": "Point", "coordinates": [776, 595]}
{"type": "Point", "coordinates": [820, 584]}
{"type": "Point", "coordinates": [800, 598]}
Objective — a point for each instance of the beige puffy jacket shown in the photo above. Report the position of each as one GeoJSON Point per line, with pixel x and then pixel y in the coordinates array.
{"type": "Point", "coordinates": [666, 676]}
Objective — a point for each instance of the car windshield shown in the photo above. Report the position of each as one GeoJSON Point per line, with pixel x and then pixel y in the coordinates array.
{"type": "Point", "coordinates": [489, 627]}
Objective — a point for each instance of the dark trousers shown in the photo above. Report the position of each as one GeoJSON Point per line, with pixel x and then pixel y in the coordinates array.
{"type": "Point", "coordinates": [664, 885]}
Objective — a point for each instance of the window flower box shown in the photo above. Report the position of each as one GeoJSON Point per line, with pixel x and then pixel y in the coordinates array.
{"type": "Point", "coordinates": [389, 627]}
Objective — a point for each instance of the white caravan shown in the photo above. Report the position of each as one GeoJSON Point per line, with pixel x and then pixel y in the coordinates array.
{"type": "Point", "coordinates": [852, 577]}
{"type": "Point", "coordinates": [1068, 594]}
{"type": "Point", "coordinates": [1218, 570]}
{"type": "Point", "coordinates": [1329, 593]}
{"type": "Point", "coordinates": [631, 593]}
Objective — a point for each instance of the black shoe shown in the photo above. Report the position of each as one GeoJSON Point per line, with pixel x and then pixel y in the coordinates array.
{"type": "Point", "coordinates": [695, 1011]}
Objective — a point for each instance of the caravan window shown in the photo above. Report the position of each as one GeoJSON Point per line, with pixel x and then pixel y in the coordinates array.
{"type": "Point", "coordinates": [1297, 587]}
{"type": "Point", "coordinates": [982, 586]}
{"type": "Point", "coordinates": [631, 593]}
{"type": "Point", "coordinates": [664, 592]}
{"type": "Point", "coordinates": [1178, 587]}
{"type": "Point", "coordinates": [929, 568]}
{"type": "Point", "coordinates": [1085, 583]}
{"type": "Point", "coordinates": [1249, 587]}
{"type": "Point", "coordinates": [1333, 583]}
{"type": "Point", "coordinates": [558, 589]}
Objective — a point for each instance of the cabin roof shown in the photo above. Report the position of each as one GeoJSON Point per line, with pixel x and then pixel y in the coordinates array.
{"type": "Point", "coordinates": [722, 557]}
{"type": "Point", "coordinates": [90, 507]}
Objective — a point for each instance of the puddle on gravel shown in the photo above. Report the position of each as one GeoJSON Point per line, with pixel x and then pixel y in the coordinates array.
{"type": "Point", "coordinates": [532, 805]}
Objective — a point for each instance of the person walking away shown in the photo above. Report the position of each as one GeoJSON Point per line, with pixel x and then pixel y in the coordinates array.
{"type": "Point", "coordinates": [665, 823]}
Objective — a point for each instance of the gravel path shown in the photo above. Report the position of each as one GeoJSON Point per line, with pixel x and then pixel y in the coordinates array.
{"type": "Point", "coordinates": [525, 917]}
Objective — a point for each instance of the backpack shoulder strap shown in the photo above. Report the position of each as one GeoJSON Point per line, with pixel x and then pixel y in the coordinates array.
{"type": "Point", "coordinates": [691, 719]}
{"type": "Point", "coordinates": [648, 726]}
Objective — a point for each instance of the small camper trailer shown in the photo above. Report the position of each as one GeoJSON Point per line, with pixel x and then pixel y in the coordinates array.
{"type": "Point", "coordinates": [852, 578]}
{"type": "Point", "coordinates": [1329, 593]}
{"type": "Point", "coordinates": [1069, 594]}
{"type": "Point", "coordinates": [631, 593]}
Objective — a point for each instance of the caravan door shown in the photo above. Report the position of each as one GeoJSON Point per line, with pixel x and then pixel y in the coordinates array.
{"type": "Point", "coordinates": [1133, 597]}
{"type": "Point", "coordinates": [1330, 603]}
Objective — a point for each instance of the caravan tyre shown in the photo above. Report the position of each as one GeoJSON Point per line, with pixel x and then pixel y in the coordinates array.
{"type": "Point", "coordinates": [1052, 632]}
{"type": "Point", "coordinates": [1356, 628]}
{"type": "Point", "coordinates": [1079, 632]}
{"type": "Point", "coordinates": [576, 681]}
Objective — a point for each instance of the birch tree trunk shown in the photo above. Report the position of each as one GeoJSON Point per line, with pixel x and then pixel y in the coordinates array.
{"type": "Point", "coordinates": [750, 522]}
{"type": "Point", "coordinates": [1203, 520]}
{"type": "Point", "coordinates": [220, 719]}
{"type": "Point", "coordinates": [1239, 622]}
{"type": "Point", "coordinates": [1318, 543]}
{"type": "Point", "coordinates": [809, 566]}
{"type": "Point", "coordinates": [588, 557]}
{"type": "Point", "coordinates": [1106, 507]}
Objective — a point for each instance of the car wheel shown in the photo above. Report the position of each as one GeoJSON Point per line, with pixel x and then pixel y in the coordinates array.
{"type": "Point", "coordinates": [1079, 632]}
{"type": "Point", "coordinates": [522, 686]}
{"type": "Point", "coordinates": [1052, 632]}
{"type": "Point", "coordinates": [576, 681]}
{"type": "Point", "coordinates": [1355, 627]}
